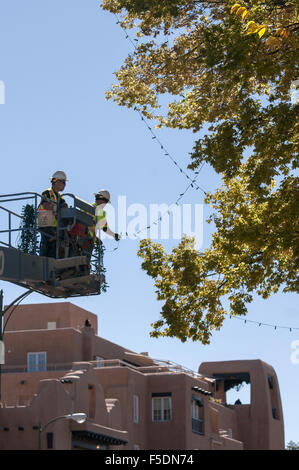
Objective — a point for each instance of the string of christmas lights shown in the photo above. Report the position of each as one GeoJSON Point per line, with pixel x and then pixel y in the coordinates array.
{"type": "Point", "coordinates": [155, 222]}
{"type": "Point", "coordinates": [167, 154]}
{"type": "Point", "coordinates": [259, 323]}
{"type": "Point", "coordinates": [193, 183]}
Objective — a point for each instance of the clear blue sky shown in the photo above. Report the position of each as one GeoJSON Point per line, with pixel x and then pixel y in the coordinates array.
{"type": "Point", "coordinates": [57, 59]}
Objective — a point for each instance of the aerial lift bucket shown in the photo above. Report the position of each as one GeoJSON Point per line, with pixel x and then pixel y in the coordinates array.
{"type": "Point", "coordinates": [53, 277]}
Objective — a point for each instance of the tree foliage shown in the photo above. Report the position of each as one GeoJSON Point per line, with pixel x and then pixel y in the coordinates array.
{"type": "Point", "coordinates": [226, 67]}
{"type": "Point", "coordinates": [292, 445]}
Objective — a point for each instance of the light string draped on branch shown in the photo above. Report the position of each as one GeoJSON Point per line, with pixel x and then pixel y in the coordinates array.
{"type": "Point", "coordinates": [154, 136]}
{"type": "Point", "coordinates": [259, 323]}
{"type": "Point", "coordinates": [192, 182]}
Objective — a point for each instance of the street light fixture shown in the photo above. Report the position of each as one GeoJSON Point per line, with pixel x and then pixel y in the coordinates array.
{"type": "Point", "coordinates": [78, 417]}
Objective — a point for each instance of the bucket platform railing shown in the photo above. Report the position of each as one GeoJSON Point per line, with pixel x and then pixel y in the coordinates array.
{"type": "Point", "coordinates": [12, 215]}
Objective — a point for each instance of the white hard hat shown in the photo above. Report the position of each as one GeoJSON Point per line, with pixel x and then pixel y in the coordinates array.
{"type": "Point", "coordinates": [59, 175]}
{"type": "Point", "coordinates": [104, 194]}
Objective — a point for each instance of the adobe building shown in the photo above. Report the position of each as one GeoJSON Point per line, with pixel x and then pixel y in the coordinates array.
{"type": "Point", "coordinates": [55, 365]}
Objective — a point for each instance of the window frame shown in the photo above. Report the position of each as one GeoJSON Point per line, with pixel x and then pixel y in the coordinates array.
{"type": "Point", "coordinates": [197, 423]}
{"type": "Point", "coordinates": [36, 367]}
{"type": "Point", "coordinates": [136, 409]}
{"type": "Point", "coordinates": [163, 409]}
{"type": "Point", "coordinates": [99, 362]}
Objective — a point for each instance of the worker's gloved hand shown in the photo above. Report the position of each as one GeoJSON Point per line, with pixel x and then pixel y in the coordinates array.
{"type": "Point", "coordinates": [117, 237]}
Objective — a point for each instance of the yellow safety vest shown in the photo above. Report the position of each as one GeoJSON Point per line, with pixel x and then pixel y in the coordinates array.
{"type": "Point", "coordinates": [53, 198]}
{"type": "Point", "coordinates": [97, 219]}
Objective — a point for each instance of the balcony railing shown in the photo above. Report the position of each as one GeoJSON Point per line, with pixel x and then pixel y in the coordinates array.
{"type": "Point", "coordinates": [7, 369]}
{"type": "Point", "coordinates": [159, 367]}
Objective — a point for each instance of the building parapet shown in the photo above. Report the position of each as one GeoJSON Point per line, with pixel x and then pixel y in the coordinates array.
{"type": "Point", "coordinates": [159, 367]}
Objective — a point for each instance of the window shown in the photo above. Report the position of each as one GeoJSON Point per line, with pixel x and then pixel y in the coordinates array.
{"type": "Point", "coordinates": [274, 397]}
{"type": "Point", "coordinates": [239, 394]}
{"type": "Point", "coordinates": [136, 409]}
{"type": "Point", "coordinates": [100, 361]}
{"type": "Point", "coordinates": [161, 407]}
{"type": "Point", "coordinates": [91, 401]}
{"type": "Point", "coordinates": [270, 382]}
{"type": "Point", "coordinates": [51, 325]}
{"type": "Point", "coordinates": [36, 361]}
{"type": "Point", "coordinates": [233, 388]}
{"type": "Point", "coordinates": [194, 409]}
{"type": "Point", "coordinates": [197, 415]}
{"type": "Point", "coordinates": [50, 440]}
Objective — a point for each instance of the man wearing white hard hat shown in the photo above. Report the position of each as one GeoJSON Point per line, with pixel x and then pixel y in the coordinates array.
{"type": "Point", "coordinates": [47, 213]}
{"type": "Point", "coordinates": [102, 198]}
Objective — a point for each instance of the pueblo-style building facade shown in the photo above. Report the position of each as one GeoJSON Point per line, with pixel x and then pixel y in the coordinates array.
{"type": "Point", "coordinates": [55, 365]}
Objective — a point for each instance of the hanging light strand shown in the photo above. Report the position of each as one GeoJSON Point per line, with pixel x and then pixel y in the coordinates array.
{"type": "Point", "coordinates": [192, 184]}
{"type": "Point", "coordinates": [259, 323]}
{"type": "Point", "coordinates": [191, 180]}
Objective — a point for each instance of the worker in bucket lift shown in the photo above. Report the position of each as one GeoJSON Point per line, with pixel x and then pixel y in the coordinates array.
{"type": "Point", "coordinates": [50, 203]}
{"type": "Point", "coordinates": [82, 238]}
{"type": "Point", "coordinates": [102, 198]}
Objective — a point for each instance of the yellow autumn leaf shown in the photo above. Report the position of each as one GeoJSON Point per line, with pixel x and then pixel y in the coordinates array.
{"type": "Point", "coordinates": [244, 14]}
{"type": "Point", "coordinates": [249, 24]}
{"type": "Point", "coordinates": [240, 11]}
{"type": "Point", "coordinates": [261, 31]}
{"type": "Point", "coordinates": [251, 27]}
{"type": "Point", "coordinates": [234, 7]}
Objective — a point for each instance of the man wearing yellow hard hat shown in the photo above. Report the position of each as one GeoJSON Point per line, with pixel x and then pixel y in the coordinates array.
{"type": "Point", "coordinates": [47, 213]}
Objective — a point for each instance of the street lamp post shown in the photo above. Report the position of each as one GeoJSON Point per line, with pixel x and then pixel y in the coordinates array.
{"type": "Point", "coordinates": [3, 325]}
{"type": "Point", "coordinates": [78, 417]}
